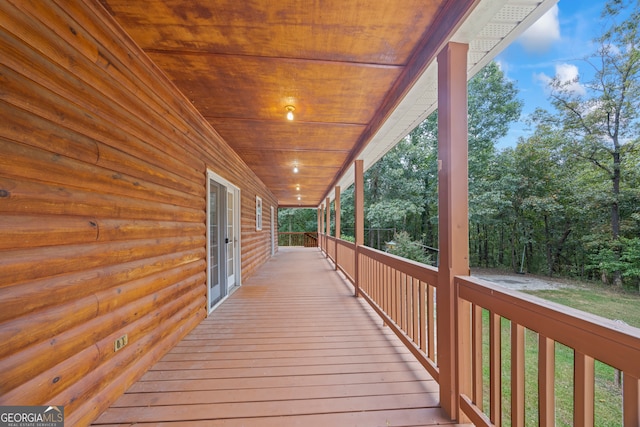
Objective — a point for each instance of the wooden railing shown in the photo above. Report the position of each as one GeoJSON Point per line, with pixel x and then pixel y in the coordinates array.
{"type": "Point", "coordinates": [343, 255]}
{"type": "Point", "coordinates": [590, 337]}
{"type": "Point", "coordinates": [330, 248]}
{"type": "Point", "coordinates": [306, 239]}
{"type": "Point", "coordinates": [346, 259]}
{"type": "Point", "coordinates": [403, 293]}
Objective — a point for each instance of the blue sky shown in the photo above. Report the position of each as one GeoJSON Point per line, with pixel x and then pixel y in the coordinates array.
{"type": "Point", "coordinates": [556, 45]}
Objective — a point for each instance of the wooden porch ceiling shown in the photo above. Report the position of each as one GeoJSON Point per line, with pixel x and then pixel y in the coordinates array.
{"type": "Point", "coordinates": [337, 62]}
{"type": "Point", "coordinates": [343, 65]}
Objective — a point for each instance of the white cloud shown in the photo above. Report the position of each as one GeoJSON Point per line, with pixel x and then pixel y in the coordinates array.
{"type": "Point", "coordinates": [539, 37]}
{"type": "Point", "coordinates": [503, 66]}
{"type": "Point", "coordinates": [567, 75]}
{"type": "Point", "coordinates": [543, 79]}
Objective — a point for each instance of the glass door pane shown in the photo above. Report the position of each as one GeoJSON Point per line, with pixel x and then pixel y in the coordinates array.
{"type": "Point", "coordinates": [230, 239]}
{"type": "Point", "coordinates": [215, 293]}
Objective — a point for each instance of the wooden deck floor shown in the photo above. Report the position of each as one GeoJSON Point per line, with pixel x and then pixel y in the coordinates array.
{"type": "Point", "coordinates": [292, 347]}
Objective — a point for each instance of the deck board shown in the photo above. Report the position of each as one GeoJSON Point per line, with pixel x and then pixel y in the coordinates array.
{"type": "Point", "coordinates": [291, 347]}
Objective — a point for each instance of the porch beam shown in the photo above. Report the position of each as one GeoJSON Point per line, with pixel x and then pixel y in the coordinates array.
{"type": "Point", "coordinates": [337, 209]}
{"type": "Point", "coordinates": [337, 222]}
{"type": "Point", "coordinates": [359, 217]}
{"type": "Point", "coordinates": [319, 224]}
{"type": "Point", "coordinates": [321, 235]}
{"type": "Point", "coordinates": [453, 218]}
{"type": "Point", "coordinates": [328, 203]}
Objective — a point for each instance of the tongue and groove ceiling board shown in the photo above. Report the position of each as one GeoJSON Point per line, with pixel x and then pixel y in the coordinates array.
{"type": "Point", "coordinates": [346, 67]}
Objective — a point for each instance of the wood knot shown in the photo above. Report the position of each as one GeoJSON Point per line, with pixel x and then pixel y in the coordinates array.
{"type": "Point", "coordinates": [4, 193]}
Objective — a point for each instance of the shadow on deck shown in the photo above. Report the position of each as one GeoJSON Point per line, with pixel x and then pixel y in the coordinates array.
{"type": "Point", "coordinates": [291, 347]}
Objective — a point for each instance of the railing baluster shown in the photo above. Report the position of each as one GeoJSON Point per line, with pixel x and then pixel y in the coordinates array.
{"type": "Point", "coordinates": [465, 348]}
{"type": "Point", "coordinates": [495, 371]}
{"type": "Point", "coordinates": [546, 381]}
{"type": "Point", "coordinates": [389, 288]}
{"type": "Point", "coordinates": [431, 326]}
{"type": "Point", "coordinates": [476, 348]}
{"type": "Point", "coordinates": [409, 302]}
{"type": "Point", "coordinates": [385, 287]}
{"type": "Point", "coordinates": [415, 287]}
{"type": "Point", "coordinates": [403, 301]}
{"type": "Point", "coordinates": [371, 276]}
{"type": "Point", "coordinates": [365, 275]}
{"type": "Point", "coordinates": [381, 289]}
{"type": "Point", "coordinates": [394, 295]}
{"type": "Point", "coordinates": [631, 400]}
{"type": "Point", "coordinates": [400, 293]}
{"type": "Point", "coordinates": [422, 309]}
{"type": "Point", "coordinates": [408, 293]}
{"type": "Point", "coordinates": [375, 278]}
{"type": "Point", "coordinates": [583, 389]}
{"type": "Point", "coordinates": [517, 375]}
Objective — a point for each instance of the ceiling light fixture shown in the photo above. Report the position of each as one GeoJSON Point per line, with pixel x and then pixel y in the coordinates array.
{"type": "Point", "coordinates": [295, 168]}
{"type": "Point", "coordinates": [290, 109]}
{"type": "Point", "coordinates": [297, 188]}
{"type": "Point", "coordinates": [299, 198]}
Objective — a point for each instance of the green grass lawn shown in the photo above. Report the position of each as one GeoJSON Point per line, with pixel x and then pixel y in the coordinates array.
{"type": "Point", "coordinates": [608, 394]}
{"type": "Point", "coordinates": [597, 300]}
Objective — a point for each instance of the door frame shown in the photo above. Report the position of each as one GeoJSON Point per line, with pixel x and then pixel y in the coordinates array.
{"type": "Point", "coordinates": [212, 176]}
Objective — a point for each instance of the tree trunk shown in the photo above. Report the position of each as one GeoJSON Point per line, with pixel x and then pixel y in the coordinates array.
{"type": "Point", "coordinates": [556, 256]}
{"type": "Point", "coordinates": [501, 251]}
{"type": "Point", "coordinates": [615, 214]}
{"type": "Point", "coordinates": [514, 250]}
{"type": "Point", "coordinates": [486, 246]}
{"type": "Point", "coordinates": [547, 238]}
{"type": "Point", "coordinates": [478, 244]}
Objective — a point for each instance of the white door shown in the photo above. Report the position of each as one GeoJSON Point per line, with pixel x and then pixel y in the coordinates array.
{"type": "Point", "coordinates": [223, 239]}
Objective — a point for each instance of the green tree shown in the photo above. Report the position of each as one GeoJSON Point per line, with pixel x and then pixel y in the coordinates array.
{"type": "Point", "coordinates": [393, 189]}
{"type": "Point", "coordinates": [493, 106]}
{"type": "Point", "coordinates": [410, 249]}
{"type": "Point", "coordinates": [297, 220]}
{"type": "Point", "coordinates": [401, 188]}
{"type": "Point", "coordinates": [549, 204]}
{"type": "Point", "coordinates": [602, 121]}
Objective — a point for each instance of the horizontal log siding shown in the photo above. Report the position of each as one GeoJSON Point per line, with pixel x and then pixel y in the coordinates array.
{"type": "Point", "coordinates": [102, 208]}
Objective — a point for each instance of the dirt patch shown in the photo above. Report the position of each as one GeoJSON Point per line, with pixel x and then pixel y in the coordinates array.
{"type": "Point", "coordinates": [528, 282]}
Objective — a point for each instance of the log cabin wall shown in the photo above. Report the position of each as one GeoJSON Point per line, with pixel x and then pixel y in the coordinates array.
{"type": "Point", "coordinates": [102, 208]}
